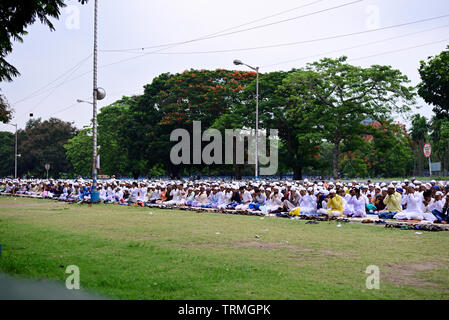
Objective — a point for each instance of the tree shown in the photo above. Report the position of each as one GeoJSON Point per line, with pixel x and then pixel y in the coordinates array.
{"type": "Point", "coordinates": [112, 122]}
{"type": "Point", "coordinates": [43, 142]}
{"type": "Point", "coordinates": [439, 129]}
{"type": "Point", "coordinates": [280, 109]}
{"type": "Point", "coordinates": [79, 152]}
{"type": "Point", "coordinates": [5, 110]}
{"type": "Point", "coordinates": [434, 87]}
{"type": "Point", "coordinates": [338, 97]}
{"type": "Point", "coordinates": [6, 154]}
{"type": "Point", "coordinates": [419, 133]}
{"type": "Point", "coordinates": [15, 17]}
{"type": "Point", "coordinates": [173, 102]}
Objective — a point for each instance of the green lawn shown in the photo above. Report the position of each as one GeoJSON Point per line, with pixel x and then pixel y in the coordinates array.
{"type": "Point", "coordinates": [126, 253]}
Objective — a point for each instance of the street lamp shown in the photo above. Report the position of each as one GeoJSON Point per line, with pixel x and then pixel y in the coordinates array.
{"type": "Point", "coordinates": [83, 101]}
{"type": "Point", "coordinates": [15, 152]}
{"type": "Point", "coordinates": [237, 63]}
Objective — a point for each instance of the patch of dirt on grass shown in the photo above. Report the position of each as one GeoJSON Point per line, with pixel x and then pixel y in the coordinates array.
{"type": "Point", "coordinates": [408, 274]}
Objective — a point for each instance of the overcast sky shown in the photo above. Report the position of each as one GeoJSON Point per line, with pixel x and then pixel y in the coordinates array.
{"type": "Point", "coordinates": [65, 54]}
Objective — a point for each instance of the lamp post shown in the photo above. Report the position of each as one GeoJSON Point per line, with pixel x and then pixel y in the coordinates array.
{"type": "Point", "coordinates": [15, 152]}
{"type": "Point", "coordinates": [238, 62]}
{"type": "Point", "coordinates": [98, 94]}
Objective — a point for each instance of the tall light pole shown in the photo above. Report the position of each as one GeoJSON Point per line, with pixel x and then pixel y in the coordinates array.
{"type": "Point", "coordinates": [98, 94]}
{"type": "Point", "coordinates": [15, 152]}
{"type": "Point", "coordinates": [238, 62]}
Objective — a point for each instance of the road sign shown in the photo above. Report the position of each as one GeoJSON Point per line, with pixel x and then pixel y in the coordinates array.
{"type": "Point", "coordinates": [427, 150]}
{"type": "Point", "coordinates": [436, 166]}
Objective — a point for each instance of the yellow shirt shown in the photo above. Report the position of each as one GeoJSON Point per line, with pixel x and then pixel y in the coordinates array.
{"type": "Point", "coordinates": [335, 204]}
{"type": "Point", "coordinates": [393, 202]}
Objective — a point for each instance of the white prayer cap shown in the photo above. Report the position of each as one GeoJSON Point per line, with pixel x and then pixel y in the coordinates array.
{"type": "Point", "coordinates": [406, 180]}
{"type": "Point", "coordinates": [384, 189]}
{"type": "Point", "coordinates": [293, 188]}
{"type": "Point", "coordinates": [433, 181]}
{"type": "Point", "coordinates": [309, 189]}
{"type": "Point", "coordinates": [391, 186]}
{"type": "Point", "coordinates": [383, 184]}
{"type": "Point", "coordinates": [320, 183]}
{"type": "Point", "coordinates": [333, 191]}
{"type": "Point", "coordinates": [439, 193]}
{"type": "Point", "coordinates": [325, 192]}
{"type": "Point", "coordinates": [269, 189]}
{"type": "Point", "coordinates": [418, 182]}
{"type": "Point", "coordinates": [262, 188]}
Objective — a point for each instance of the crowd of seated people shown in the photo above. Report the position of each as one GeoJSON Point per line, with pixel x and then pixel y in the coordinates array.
{"type": "Point", "coordinates": [400, 200]}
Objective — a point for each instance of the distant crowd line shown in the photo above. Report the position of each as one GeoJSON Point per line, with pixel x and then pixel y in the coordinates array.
{"type": "Point", "coordinates": [400, 200]}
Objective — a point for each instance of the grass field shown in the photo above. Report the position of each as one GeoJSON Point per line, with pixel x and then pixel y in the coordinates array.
{"type": "Point", "coordinates": [127, 253]}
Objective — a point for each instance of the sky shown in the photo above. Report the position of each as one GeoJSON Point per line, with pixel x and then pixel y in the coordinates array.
{"type": "Point", "coordinates": [56, 67]}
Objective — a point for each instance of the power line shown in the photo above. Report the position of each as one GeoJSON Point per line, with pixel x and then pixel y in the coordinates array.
{"type": "Point", "coordinates": [355, 47]}
{"type": "Point", "coordinates": [175, 44]}
{"type": "Point", "coordinates": [31, 95]}
{"type": "Point", "coordinates": [53, 89]}
{"type": "Point", "coordinates": [304, 41]}
{"type": "Point", "coordinates": [400, 50]}
{"type": "Point", "coordinates": [221, 34]}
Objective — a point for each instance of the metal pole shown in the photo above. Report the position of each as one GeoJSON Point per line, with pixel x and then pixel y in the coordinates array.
{"type": "Point", "coordinates": [94, 193]}
{"type": "Point", "coordinates": [15, 156]}
{"type": "Point", "coordinates": [257, 122]}
{"type": "Point", "coordinates": [430, 167]}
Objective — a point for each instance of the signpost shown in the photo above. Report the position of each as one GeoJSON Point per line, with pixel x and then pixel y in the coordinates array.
{"type": "Point", "coordinates": [47, 167]}
{"type": "Point", "coordinates": [427, 150]}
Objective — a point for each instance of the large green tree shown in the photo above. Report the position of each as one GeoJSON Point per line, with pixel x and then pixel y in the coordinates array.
{"type": "Point", "coordinates": [419, 134]}
{"type": "Point", "coordinates": [173, 102]}
{"type": "Point", "coordinates": [337, 97]}
{"type": "Point", "coordinates": [6, 154]}
{"type": "Point", "coordinates": [280, 109]}
{"type": "Point", "coordinates": [439, 134]}
{"type": "Point", "coordinates": [79, 152]}
{"type": "Point", "coordinates": [434, 87]}
{"type": "Point", "coordinates": [43, 142]}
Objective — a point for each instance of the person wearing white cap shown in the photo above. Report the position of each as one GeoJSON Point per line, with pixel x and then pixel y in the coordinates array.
{"type": "Point", "coordinates": [308, 203]}
{"type": "Point", "coordinates": [393, 201]}
{"type": "Point", "coordinates": [334, 204]}
{"type": "Point", "coordinates": [443, 214]}
{"type": "Point", "coordinates": [358, 202]}
{"type": "Point", "coordinates": [292, 200]}
{"type": "Point", "coordinates": [415, 207]}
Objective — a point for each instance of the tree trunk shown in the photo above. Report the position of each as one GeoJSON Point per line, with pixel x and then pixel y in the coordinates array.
{"type": "Point", "coordinates": [238, 171]}
{"type": "Point", "coordinates": [335, 155]}
{"type": "Point", "coordinates": [297, 173]}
